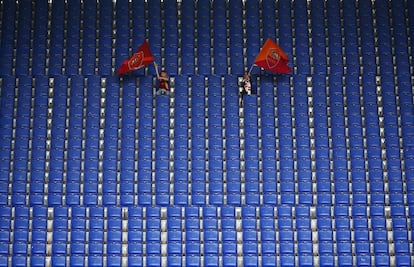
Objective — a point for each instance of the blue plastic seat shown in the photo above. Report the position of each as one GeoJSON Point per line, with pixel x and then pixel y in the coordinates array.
{"type": "Point", "coordinates": [77, 248]}
{"type": "Point", "coordinates": [174, 246]}
{"type": "Point", "coordinates": [211, 260]}
{"type": "Point", "coordinates": [78, 236]}
{"type": "Point", "coordinates": [286, 236]}
{"type": "Point", "coordinates": [229, 249]}
{"type": "Point", "coordinates": [96, 248]}
{"type": "Point", "coordinates": [287, 259]}
{"type": "Point", "coordinates": [400, 235]}
{"type": "Point", "coordinates": [95, 260]}
{"type": "Point", "coordinates": [154, 248]}
{"type": "Point", "coordinates": [193, 235]}
{"type": "Point", "coordinates": [382, 259]}
{"type": "Point", "coordinates": [59, 260]}
{"type": "Point", "coordinates": [303, 223]}
{"type": "Point", "coordinates": [19, 260]}
{"type": "Point", "coordinates": [269, 260]}
{"type": "Point", "coordinates": [114, 260]}
{"type": "Point", "coordinates": [403, 260]}
{"type": "Point", "coordinates": [173, 260]}
{"type": "Point", "coordinates": [229, 235]}
{"type": "Point", "coordinates": [193, 247]}
{"type": "Point", "coordinates": [211, 248]}
{"type": "Point", "coordinates": [37, 260]}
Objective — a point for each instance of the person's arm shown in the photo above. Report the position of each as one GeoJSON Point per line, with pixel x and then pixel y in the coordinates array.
{"type": "Point", "coordinates": [164, 78]}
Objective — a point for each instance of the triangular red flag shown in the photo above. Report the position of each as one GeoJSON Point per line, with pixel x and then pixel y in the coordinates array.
{"type": "Point", "coordinates": [272, 58]}
{"type": "Point", "coordinates": [140, 59]}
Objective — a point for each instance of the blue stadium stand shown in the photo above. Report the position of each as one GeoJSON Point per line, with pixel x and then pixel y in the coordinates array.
{"type": "Point", "coordinates": [314, 168]}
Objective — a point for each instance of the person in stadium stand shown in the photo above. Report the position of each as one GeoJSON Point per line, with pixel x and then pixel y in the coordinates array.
{"type": "Point", "coordinates": [163, 81]}
{"type": "Point", "coordinates": [246, 86]}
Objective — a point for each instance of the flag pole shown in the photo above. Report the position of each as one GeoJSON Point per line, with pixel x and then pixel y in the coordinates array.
{"type": "Point", "coordinates": [250, 70]}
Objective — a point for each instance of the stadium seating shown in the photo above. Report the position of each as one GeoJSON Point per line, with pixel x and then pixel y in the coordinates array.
{"type": "Point", "coordinates": [314, 169]}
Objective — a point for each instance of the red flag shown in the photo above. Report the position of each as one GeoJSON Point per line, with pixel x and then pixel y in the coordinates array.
{"type": "Point", "coordinates": [272, 58]}
{"type": "Point", "coordinates": [140, 59]}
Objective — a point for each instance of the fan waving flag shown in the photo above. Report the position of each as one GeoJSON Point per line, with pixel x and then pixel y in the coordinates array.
{"type": "Point", "coordinates": [140, 59]}
{"type": "Point", "coordinates": [272, 58]}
